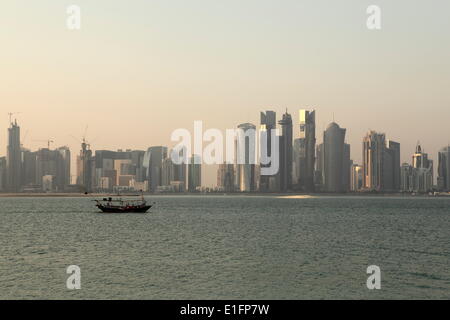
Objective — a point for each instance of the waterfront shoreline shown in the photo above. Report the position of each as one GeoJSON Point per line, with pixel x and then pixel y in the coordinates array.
{"type": "Point", "coordinates": [258, 194]}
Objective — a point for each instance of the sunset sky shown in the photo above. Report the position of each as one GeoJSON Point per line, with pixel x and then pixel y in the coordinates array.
{"type": "Point", "coordinates": [137, 70]}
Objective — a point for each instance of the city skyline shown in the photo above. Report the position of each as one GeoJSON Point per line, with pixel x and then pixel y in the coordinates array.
{"type": "Point", "coordinates": [209, 171]}
{"type": "Point", "coordinates": [224, 156]}
{"type": "Point", "coordinates": [333, 169]}
{"type": "Point", "coordinates": [136, 73]}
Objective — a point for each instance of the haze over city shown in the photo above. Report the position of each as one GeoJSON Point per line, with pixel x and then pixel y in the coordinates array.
{"type": "Point", "coordinates": [220, 158]}
{"type": "Point", "coordinates": [136, 73]}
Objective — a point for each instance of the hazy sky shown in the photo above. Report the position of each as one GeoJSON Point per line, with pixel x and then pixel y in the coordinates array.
{"type": "Point", "coordinates": [137, 70]}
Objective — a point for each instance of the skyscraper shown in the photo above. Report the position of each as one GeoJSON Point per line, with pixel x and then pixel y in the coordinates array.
{"type": "Point", "coordinates": [194, 173]}
{"type": "Point", "coordinates": [417, 177]}
{"type": "Point", "coordinates": [174, 175]}
{"type": "Point", "coordinates": [246, 158]}
{"type": "Point", "coordinates": [2, 174]}
{"type": "Point", "coordinates": [381, 163]}
{"type": "Point", "coordinates": [85, 165]}
{"type": "Point", "coordinates": [28, 168]}
{"type": "Point", "coordinates": [373, 153]}
{"type": "Point", "coordinates": [225, 177]}
{"type": "Point", "coordinates": [392, 166]}
{"type": "Point", "coordinates": [347, 167]}
{"type": "Point", "coordinates": [137, 159]}
{"type": "Point", "coordinates": [296, 162]}
{"type": "Point", "coordinates": [125, 172]}
{"type": "Point", "coordinates": [307, 149]}
{"type": "Point", "coordinates": [167, 172]}
{"type": "Point", "coordinates": [153, 161]}
{"type": "Point", "coordinates": [444, 169]}
{"type": "Point", "coordinates": [268, 123]}
{"type": "Point", "coordinates": [320, 164]}
{"type": "Point", "coordinates": [63, 168]}
{"type": "Point", "coordinates": [46, 166]}
{"type": "Point", "coordinates": [106, 172]}
{"type": "Point", "coordinates": [406, 177]}
{"type": "Point", "coordinates": [179, 170]}
{"type": "Point", "coordinates": [356, 181]}
{"type": "Point", "coordinates": [424, 171]}
{"type": "Point", "coordinates": [334, 156]}
{"type": "Point", "coordinates": [285, 170]}
{"type": "Point", "coordinates": [14, 159]}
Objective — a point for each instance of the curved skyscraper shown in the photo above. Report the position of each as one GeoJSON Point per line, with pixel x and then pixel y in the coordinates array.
{"type": "Point", "coordinates": [153, 161]}
{"type": "Point", "coordinates": [335, 160]}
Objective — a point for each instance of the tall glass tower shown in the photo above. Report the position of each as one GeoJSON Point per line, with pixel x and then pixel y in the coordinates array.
{"type": "Point", "coordinates": [245, 158]}
{"type": "Point", "coordinates": [444, 169]}
{"type": "Point", "coordinates": [285, 152]}
{"type": "Point", "coordinates": [14, 159]}
{"type": "Point", "coordinates": [194, 173]}
{"type": "Point", "coordinates": [268, 123]}
{"type": "Point", "coordinates": [307, 149]}
{"type": "Point", "coordinates": [335, 159]}
{"type": "Point", "coordinates": [153, 162]}
{"type": "Point", "coordinates": [381, 163]}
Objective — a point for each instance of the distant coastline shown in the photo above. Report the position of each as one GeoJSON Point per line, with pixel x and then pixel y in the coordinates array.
{"type": "Point", "coordinates": [260, 194]}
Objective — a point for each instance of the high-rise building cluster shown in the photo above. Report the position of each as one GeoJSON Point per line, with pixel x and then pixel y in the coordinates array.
{"type": "Point", "coordinates": [49, 170]}
{"type": "Point", "coordinates": [381, 163]}
{"type": "Point", "coordinates": [152, 170]}
{"type": "Point", "coordinates": [23, 170]}
{"type": "Point", "coordinates": [308, 166]}
{"type": "Point", "coordinates": [418, 176]}
{"type": "Point", "coordinates": [303, 164]}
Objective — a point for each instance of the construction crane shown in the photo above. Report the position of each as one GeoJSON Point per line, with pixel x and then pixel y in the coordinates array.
{"type": "Point", "coordinates": [84, 143]}
{"type": "Point", "coordinates": [49, 141]}
{"type": "Point", "coordinates": [22, 141]}
{"type": "Point", "coordinates": [10, 114]}
{"type": "Point", "coordinates": [84, 177]}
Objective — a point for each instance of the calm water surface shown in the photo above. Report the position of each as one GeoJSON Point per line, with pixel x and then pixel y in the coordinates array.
{"type": "Point", "coordinates": [216, 247]}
